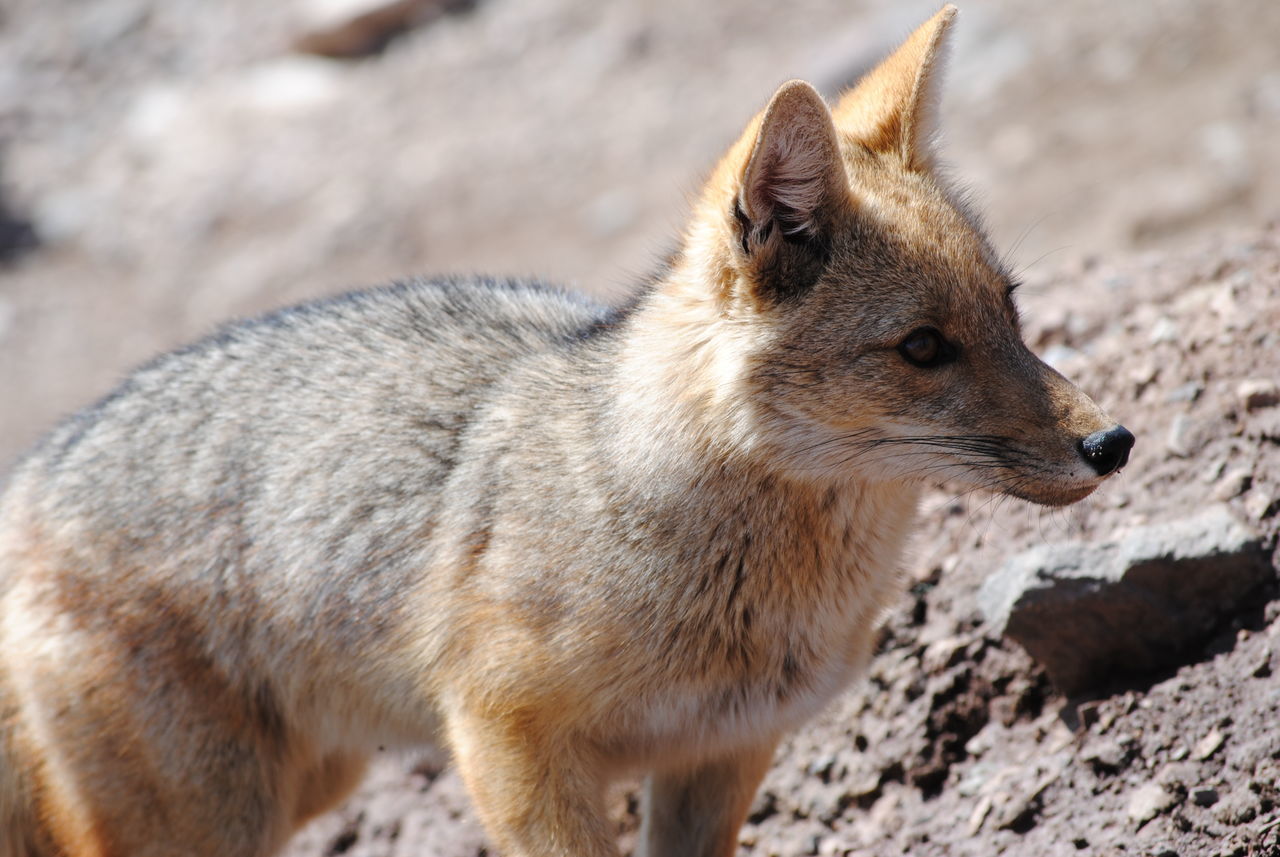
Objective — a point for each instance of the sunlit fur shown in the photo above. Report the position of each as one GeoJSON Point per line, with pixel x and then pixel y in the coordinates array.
{"type": "Point", "coordinates": [566, 541]}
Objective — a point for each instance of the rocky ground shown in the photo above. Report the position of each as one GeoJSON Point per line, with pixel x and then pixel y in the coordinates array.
{"type": "Point", "coordinates": [166, 165]}
{"type": "Point", "coordinates": [959, 743]}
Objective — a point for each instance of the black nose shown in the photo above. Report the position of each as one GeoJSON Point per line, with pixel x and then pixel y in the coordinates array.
{"type": "Point", "coordinates": [1107, 450]}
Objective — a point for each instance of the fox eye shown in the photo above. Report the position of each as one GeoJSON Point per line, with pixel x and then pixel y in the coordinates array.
{"type": "Point", "coordinates": [925, 348]}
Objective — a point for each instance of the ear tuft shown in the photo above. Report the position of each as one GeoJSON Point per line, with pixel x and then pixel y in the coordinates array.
{"type": "Point", "coordinates": [893, 108]}
{"type": "Point", "coordinates": [794, 169]}
{"type": "Point", "coordinates": [790, 192]}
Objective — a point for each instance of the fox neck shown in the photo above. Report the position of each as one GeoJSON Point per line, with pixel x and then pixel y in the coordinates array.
{"type": "Point", "coordinates": [683, 390]}
{"type": "Point", "coordinates": [682, 375]}
{"type": "Point", "coordinates": [816, 554]}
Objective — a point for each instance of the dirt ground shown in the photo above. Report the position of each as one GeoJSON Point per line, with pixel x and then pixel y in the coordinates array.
{"type": "Point", "coordinates": [166, 165]}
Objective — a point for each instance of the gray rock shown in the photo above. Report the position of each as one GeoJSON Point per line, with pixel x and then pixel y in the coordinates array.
{"type": "Point", "coordinates": [1179, 440]}
{"type": "Point", "coordinates": [1233, 484]}
{"type": "Point", "coordinates": [1178, 776]}
{"type": "Point", "coordinates": [1187, 392]}
{"type": "Point", "coordinates": [1260, 504]}
{"type": "Point", "coordinates": [1238, 807]}
{"type": "Point", "coordinates": [1149, 801]}
{"type": "Point", "coordinates": [1105, 756]}
{"type": "Point", "coordinates": [1165, 330]}
{"type": "Point", "coordinates": [1131, 604]}
{"type": "Point", "coordinates": [345, 29]}
{"type": "Point", "coordinates": [1208, 745]}
{"type": "Point", "coordinates": [1257, 393]}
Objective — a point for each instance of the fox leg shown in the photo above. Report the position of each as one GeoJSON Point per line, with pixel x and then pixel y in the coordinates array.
{"type": "Point", "coordinates": [217, 789]}
{"type": "Point", "coordinates": [100, 790]}
{"type": "Point", "coordinates": [97, 795]}
{"type": "Point", "coordinates": [697, 812]}
{"type": "Point", "coordinates": [131, 742]}
{"type": "Point", "coordinates": [538, 794]}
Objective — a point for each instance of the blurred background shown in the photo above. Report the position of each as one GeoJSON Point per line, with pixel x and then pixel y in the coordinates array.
{"type": "Point", "coordinates": [167, 164]}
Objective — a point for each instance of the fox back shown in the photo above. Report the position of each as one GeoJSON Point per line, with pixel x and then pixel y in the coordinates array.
{"type": "Point", "coordinates": [242, 514]}
{"type": "Point", "coordinates": [565, 541]}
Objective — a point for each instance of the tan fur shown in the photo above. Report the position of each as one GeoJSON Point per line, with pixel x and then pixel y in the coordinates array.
{"type": "Point", "coordinates": [568, 542]}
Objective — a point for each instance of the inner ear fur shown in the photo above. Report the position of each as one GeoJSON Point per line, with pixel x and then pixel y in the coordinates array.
{"type": "Point", "coordinates": [792, 188]}
{"type": "Point", "coordinates": [893, 109]}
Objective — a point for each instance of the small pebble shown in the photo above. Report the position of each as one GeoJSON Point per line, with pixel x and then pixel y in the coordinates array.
{"type": "Point", "coordinates": [1187, 392]}
{"type": "Point", "coordinates": [1237, 808]}
{"type": "Point", "coordinates": [1233, 484]}
{"type": "Point", "coordinates": [979, 815]}
{"type": "Point", "coordinates": [1208, 745]}
{"type": "Point", "coordinates": [1259, 504]}
{"type": "Point", "coordinates": [1204, 796]}
{"type": "Point", "coordinates": [1105, 756]}
{"type": "Point", "coordinates": [1258, 393]}
{"type": "Point", "coordinates": [1149, 801]}
{"type": "Point", "coordinates": [1262, 667]}
{"type": "Point", "coordinates": [1164, 330]}
{"type": "Point", "coordinates": [1178, 440]}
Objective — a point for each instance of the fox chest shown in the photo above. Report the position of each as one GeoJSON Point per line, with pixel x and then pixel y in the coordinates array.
{"type": "Point", "coordinates": [749, 693]}
{"type": "Point", "coordinates": [766, 643]}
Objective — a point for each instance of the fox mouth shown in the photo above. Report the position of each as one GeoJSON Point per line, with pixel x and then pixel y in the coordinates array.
{"type": "Point", "coordinates": [1052, 496]}
{"type": "Point", "coordinates": [997, 464]}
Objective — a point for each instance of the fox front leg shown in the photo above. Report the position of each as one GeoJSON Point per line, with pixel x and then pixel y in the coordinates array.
{"type": "Point", "coordinates": [697, 812]}
{"type": "Point", "coordinates": [538, 793]}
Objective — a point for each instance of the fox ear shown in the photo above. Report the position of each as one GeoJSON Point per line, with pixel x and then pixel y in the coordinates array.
{"type": "Point", "coordinates": [893, 108]}
{"type": "Point", "coordinates": [791, 186]}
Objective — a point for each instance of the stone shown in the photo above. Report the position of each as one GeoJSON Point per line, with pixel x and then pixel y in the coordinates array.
{"type": "Point", "coordinates": [1181, 437]}
{"type": "Point", "coordinates": [1087, 713]}
{"type": "Point", "coordinates": [1208, 745]}
{"type": "Point", "coordinates": [7, 317]}
{"type": "Point", "coordinates": [1164, 331]}
{"type": "Point", "coordinates": [346, 29]}
{"type": "Point", "coordinates": [1238, 807]}
{"type": "Point", "coordinates": [1178, 775]}
{"type": "Point", "coordinates": [1105, 756]}
{"type": "Point", "coordinates": [1233, 484]}
{"type": "Point", "coordinates": [1204, 796]}
{"type": "Point", "coordinates": [1187, 392]}
{"type": "Point", "coordinates": [943, 653]}
{"type": "Point", "coordinates": [1258, 393]}
{"type": "Point", "coordinates": [1260, 504]}
{"type": "Point", "coordinates": [17, 235]}
{"type": "Point", "coordinates": [1132, 604]}
{"type": "Point", "coordinates": [1253, 753]}
{"type": "Point", "coordinates": [979, 814]}
{"type": "Point", "coordinates": [1149, 801]}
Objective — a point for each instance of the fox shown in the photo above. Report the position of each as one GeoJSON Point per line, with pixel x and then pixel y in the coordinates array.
{"type": "Point", "coordinates": [567, 542]}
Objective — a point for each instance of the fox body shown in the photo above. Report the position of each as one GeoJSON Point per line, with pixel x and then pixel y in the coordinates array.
{"type": "Point", "coordinates": [566, 541]}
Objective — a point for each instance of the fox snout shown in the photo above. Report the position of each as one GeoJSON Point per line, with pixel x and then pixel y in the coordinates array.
{"type": "Point", "coordinates": [1064, 444]}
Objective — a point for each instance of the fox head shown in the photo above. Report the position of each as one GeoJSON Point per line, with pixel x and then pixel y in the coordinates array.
{"type": "Point", "coordinates": [863, 323]}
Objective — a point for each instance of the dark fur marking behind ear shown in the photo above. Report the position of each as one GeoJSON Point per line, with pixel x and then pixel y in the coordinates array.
{"type": "Point", "coordinates": [787, 266]}
{"type": "Point", "coordinates": [744, 227]}
{"type": "Point", "coordinates": [784, 263]}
